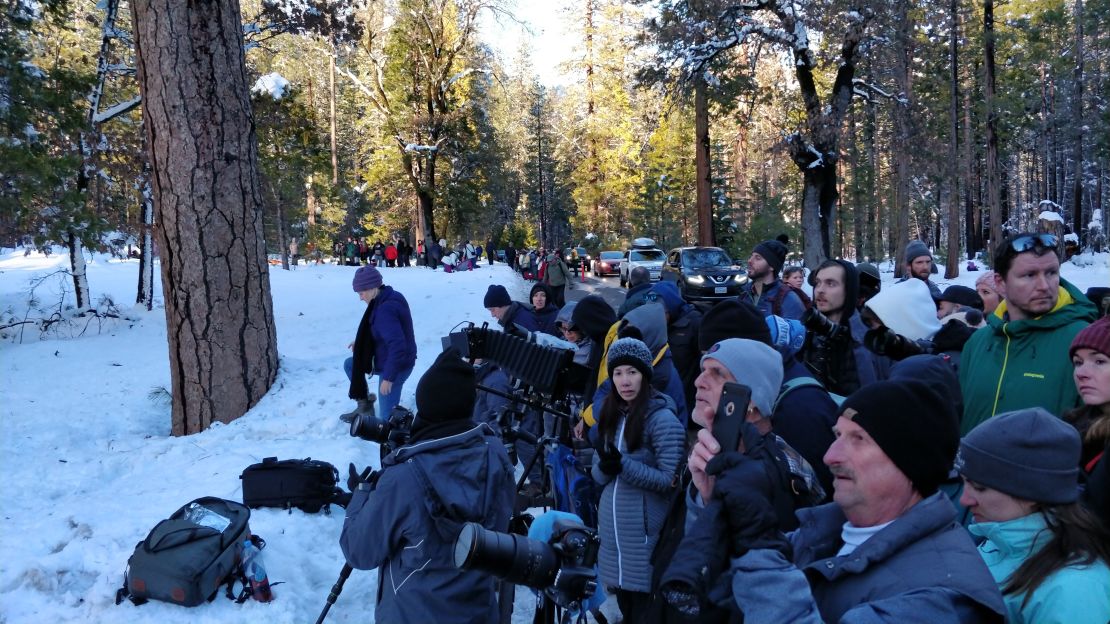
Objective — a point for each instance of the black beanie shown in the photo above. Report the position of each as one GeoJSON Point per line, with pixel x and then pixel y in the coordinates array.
{"type": "Point", "coordinates": [774, 252]}
{"type": "Point", "coordinates": [496, 297]}
{"type": "Point", "coordinates": [915, 426]}
{"type": "Point", "coordinates": [732, 319]}
{"type": "Point", "coordinates": [447, 390]}
{"type": "Point", "coordinates": [594, 317]}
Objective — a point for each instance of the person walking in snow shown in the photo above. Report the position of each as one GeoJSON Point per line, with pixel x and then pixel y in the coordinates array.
{"type": "Point", "coordinates": [384, 345]}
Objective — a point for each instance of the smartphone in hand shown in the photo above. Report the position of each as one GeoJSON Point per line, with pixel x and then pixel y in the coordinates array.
{"type": "Point", "coordinates": [731, 412]}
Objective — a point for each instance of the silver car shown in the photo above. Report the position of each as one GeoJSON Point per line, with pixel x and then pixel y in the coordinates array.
{"type": "Point", "coordinates": [645, 254]}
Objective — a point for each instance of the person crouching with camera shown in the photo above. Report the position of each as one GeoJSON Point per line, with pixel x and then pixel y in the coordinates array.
{"type": "Point", "coordinates": [404, 520]}
{"type": "Point", "coordinates": [640, 444]}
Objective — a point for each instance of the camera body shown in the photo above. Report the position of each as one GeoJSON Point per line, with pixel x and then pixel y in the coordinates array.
{"type": "Point", "coordinates": [391, 434]}
{"type": "Point", "coordinates": [884, 341]}
{"type": "Point", "coordinates": [563, 567]}
{"type": "Point", "coordinates": [820, 324]}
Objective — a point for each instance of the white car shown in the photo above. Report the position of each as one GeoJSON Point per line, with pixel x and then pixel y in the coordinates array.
{"type": "Point", "coordinates": [643, 253]}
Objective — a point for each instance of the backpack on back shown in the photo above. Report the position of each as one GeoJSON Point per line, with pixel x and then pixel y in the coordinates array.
{"type": "Point", "coordinates": [785, 289]}
{"type": "Point", "coordinates": [307, 484]}
{"type": "Point", "coordinates": [188, 556]}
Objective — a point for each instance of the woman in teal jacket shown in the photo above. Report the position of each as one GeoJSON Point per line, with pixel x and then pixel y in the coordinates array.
{"type": "Point", "coordinates": [1048, 554]}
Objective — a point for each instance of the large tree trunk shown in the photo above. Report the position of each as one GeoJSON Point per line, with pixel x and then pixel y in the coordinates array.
{"type": "Point", "coordinates": [952, 262]}
{"type": "Point", "coordinates": [208, 202]}
{"type": "Point", "coordinates": [701, 162]}
{"type": "Point", "coordinates": [1077, 125]}
{"type": "Point", "coordinates": [818, 201]}
{"type": "Point", "coordinates": [994, 191]}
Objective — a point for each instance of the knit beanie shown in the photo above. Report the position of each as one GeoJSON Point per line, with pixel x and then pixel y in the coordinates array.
{"type": "Point", "coordinates": [907, 308]}
{"type": "Point", "coordinates": [962, 295]}
{"type": "Point", "coordinates": [632, 352]}
{"type": "Point", "coordinates": [915, 426]}
{"type": "Point", "coordinates": [1028, 454]}
{"type": "Point", "coordinates": [496, 296]}
{"type": "Point", "coordinates": [447, 390]}
{"type": "Point", "coordinates": [594, 317]}
{"type": "Point", "coordinates": [367, 278]}
{"type": "Point", "coordinates": [787, 335]}
{"type": "Point", "coordinates": [916, 249]}
{"type": "Point", "coordinates": [753, 364]}
{"type": "Point", "coordinates": [869, 275]}
{"type": "Point", "coordinates": [1094, 336]}
{"type": "Point", "coordinates": [668, 294]}
{"type": "Point", "coordinates": [774, 252]}
{"type": "Point", "coordinates": [732, 318]}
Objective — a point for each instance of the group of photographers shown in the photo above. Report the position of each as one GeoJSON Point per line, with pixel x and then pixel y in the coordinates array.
{"type": "Point", "coordinates": [904, 453]}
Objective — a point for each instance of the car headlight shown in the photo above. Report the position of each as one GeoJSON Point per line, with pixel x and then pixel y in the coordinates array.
{"type": "Point", "coordinates": [740, 279]}
{"type": "Point", "coordinates": [695, 279]}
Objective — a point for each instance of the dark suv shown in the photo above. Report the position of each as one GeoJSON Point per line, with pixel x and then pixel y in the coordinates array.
{"type": "Point", "coordinates": [704, 273]}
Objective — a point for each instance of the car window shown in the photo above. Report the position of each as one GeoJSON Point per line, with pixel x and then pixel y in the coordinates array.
{"type": "Point", "coordinates": [646, 255]}
{"type": "Point", "coordinates": [706, 258]}
{"type": "Point", "coordinates": [611, 255]}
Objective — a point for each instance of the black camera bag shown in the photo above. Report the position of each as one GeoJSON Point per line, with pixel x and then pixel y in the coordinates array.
{"type": "Point", "coordinates": [307, 484]}
{"type": "Point", "coordinates": [183, 562]}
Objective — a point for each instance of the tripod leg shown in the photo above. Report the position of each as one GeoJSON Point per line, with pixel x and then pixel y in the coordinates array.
{"type": "Point", "coordinates": [505, 598]}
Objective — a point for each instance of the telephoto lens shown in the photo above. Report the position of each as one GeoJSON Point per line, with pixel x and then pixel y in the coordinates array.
{"type": "Point", "coordinates": [820, 324]}
{"type": "Point", "coordinates": [514, 558]}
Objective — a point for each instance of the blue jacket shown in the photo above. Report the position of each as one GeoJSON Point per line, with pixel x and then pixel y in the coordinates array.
{"type": "Point", "coordinates": [792, 306]}
{"type": "Point", "coordinates": [1076, 594]}
{"type": "Point", "coordinates": [545, 320]}
{"type": "Point", "coordinates": [923, 567]}
{"type": "Point", "coordinates": [804, 418]}
{"type": "Point", "coordinates": [519, 315]}
{"type": "Point", "coordinates": [634, 298]}
{"type": "Point", "coordinates": [635, 503]}
{"type": "Point", "coordinates": [384, 343]}
{"type": "Point", "coordinates": [406, 527]}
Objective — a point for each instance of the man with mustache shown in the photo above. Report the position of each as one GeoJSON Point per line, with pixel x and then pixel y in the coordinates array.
{"type": "Point", "coordinates": [1021, 359]}
{"type": "Point", "coordinates": [887, 549]}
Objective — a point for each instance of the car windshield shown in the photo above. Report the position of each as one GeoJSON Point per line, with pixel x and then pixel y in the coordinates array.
{"type": "Point", "coordinates": [645, 255]}
{"type": "Point", "coordinates": [706, 259]}
{"type": "Point", "coordinates": [611, 255]}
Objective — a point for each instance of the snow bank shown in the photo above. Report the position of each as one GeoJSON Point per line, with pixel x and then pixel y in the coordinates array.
{"type": "Point", "coordinates": [89, 466]}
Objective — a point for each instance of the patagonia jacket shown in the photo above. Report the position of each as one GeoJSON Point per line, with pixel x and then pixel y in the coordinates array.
{"type": "Point", "coordinates": [1076, 594]}
{"type": "Point", "coordinates": [384, 343]}
{"type": "Point", "coordinates": [1011, 365]}
{"type": "Point", "coordinates": [923, 567]}
{"type": "Point", "coordinates": [406, 527]}
{"type": "Point", "coordinates": [792, 306]}
{"type": "Point", "coordinates": [635, 503]}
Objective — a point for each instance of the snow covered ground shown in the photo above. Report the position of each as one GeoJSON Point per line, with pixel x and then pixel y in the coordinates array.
{"type": "Point", "coordinates": [87, 465]}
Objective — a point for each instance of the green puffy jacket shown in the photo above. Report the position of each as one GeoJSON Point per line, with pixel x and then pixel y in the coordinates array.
{"type": "Point", "coordinates": [1011, 365]}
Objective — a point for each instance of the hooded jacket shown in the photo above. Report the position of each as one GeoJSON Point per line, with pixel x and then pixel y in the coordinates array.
{"type": "Point", "coordinates": [922, 567]}
{"type": "Point", "coordinates": [546, 316]}
{"type": "Point", "coordinates": [1010, 365]}
{"type": "Point", "coordinates": [520, 315]}
{"type": "Point", "coordinates": [1075, 594]}
{"type": "Point", "coordinates": [384, 342]}
{"type": "Point", "coordinates": [634, 503]}
{"type": "Point", "coordinates": [410, 538]}
{"type": "Point", "coordinates": [907, 309]}
{"type": "Point", "coordinates": [634, 298]}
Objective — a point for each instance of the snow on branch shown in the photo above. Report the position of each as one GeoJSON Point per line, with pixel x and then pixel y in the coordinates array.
{"type": "Point", "coordinates": [122, 108]}
{"type": "Point", "coordinates": [865, 89]}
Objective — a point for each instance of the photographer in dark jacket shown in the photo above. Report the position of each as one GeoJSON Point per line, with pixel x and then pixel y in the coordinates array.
{"type": "Point", "coordinates": [450, 472]}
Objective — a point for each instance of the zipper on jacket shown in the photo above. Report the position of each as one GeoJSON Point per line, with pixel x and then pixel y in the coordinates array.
{"type": "Point", "coordinates": [1002, 375]}
{"type": "Point", "coordinates": [616, 536]}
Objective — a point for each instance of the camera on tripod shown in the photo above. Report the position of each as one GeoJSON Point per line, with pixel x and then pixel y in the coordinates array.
{"type": "Point", "coordinates": [562, 567]}
{"type": "Point", "coordinates": [391, 434]}
{"type": "Point", "coordinates": [820, 324]}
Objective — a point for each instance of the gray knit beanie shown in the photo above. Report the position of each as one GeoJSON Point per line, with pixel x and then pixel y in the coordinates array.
{"type": "Point", "coordinates": [915, 250]}
{"type": "Point", "coordinates": [753, 364]}
{"type": "Point", "coordinates": [632, 352]}
{"type": "Point", "coordinates": [1028, 454]}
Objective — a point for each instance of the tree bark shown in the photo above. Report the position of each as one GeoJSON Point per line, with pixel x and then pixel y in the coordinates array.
{"type": "Point", "coordinates": [145, 292]}
{"type": "Point", "coordinates": [208, 201]}
{"type": "Point", "coordinates": [701, 160]}
{"type": "Point", "coordinates": [994, 199]}
{"type": "Point", "coordinates": [952, 262]}
{"type": "Point", "coordinates": [1077, 121]}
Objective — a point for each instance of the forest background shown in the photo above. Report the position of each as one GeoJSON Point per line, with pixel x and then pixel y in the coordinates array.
{"type": "Point", "coordinates": [375, 118]}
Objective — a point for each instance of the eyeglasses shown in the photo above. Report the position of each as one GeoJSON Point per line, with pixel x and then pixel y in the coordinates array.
{"type": "Point", "coordinates": [1027, 242]}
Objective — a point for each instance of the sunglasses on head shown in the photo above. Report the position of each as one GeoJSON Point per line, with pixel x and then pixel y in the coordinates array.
{"type": "Point", "coordinates": [1028, 242]}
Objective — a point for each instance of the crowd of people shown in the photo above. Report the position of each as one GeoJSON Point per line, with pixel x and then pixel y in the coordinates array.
{"type": "Point", "coordinates": [907, 453]}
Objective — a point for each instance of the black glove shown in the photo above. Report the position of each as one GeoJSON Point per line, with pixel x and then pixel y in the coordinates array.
{"type": "Point", "coordinates": [354, 478]}
{"type": "Point", "coordinates": [744, 489]}
{"type": "Point", "coordinates": [609, 459]}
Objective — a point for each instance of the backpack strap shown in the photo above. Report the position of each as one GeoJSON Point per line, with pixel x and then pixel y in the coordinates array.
{"type": "Point", "coordinates": [794, 384]}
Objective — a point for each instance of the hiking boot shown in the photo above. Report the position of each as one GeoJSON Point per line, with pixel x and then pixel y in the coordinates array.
{"type": "Point", "coordinates": [365, 406]}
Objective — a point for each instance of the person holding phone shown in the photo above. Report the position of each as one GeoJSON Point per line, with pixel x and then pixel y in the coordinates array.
{"type": "Point", "coordinates": [640, 444]}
